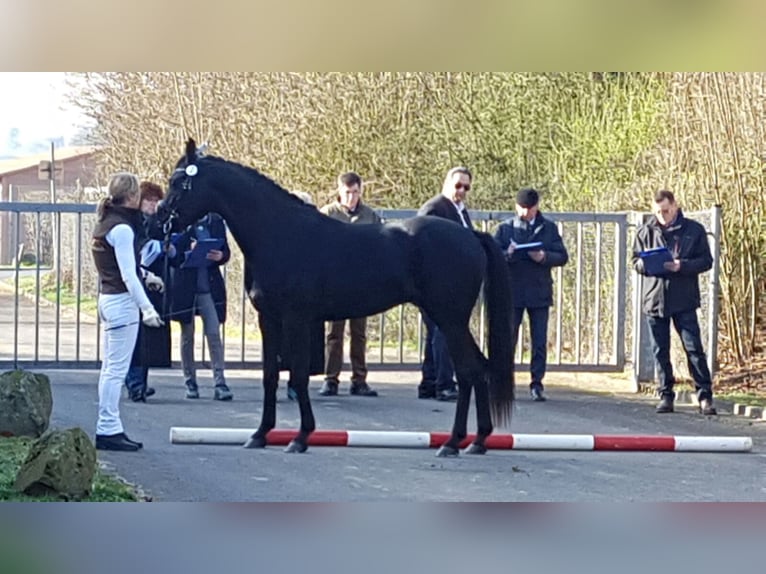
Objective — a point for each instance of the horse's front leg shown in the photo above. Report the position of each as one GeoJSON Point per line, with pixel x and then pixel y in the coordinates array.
{"type": "Point", "coordinates": [271, 333]}
{"type": "Point", "coordinates": [298, 333]}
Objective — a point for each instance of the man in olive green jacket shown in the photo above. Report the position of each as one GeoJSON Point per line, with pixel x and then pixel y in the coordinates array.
{"type": "Point", "coordinates": [348, 207]}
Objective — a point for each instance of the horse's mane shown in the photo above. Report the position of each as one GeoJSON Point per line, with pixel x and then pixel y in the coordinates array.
{"type": "Point", "coordinates": [264, 183]}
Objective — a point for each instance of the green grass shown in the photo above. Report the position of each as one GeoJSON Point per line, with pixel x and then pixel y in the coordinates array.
{"type": "Point", "coordinates": [28, 286]}
{"type": "Point", "coordinates": [14, 450]}
{"type": "Point", "coordinates": [751, 399]}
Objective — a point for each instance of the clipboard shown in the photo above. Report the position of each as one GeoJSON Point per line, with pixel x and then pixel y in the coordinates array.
{"type": "Point", "coordinates": [529, 246]}
{"type": "Point", "coordinates": [197, 257]}
{"type": "Point", "coordinates": [655, 259]}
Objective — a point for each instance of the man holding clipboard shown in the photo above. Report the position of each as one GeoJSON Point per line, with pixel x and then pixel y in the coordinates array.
{"type": "Point", "coordinates": [533, 247]}
{"type": "Point", "coordinates": [671, 251]}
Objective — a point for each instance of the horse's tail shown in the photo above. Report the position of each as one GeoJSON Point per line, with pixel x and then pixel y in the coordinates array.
{"type": "Point", "coordinates": [499, 307]}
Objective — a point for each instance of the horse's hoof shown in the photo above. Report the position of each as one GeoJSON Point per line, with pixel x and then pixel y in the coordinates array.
{"type": "Point", "coordinates": [475, 448]}
{"type": "Point", "coordinates": [296, 446]}
{"type": "Point", "coordinates": [446, 451]}
{"type": "Point", "coordinates": [255, 441]}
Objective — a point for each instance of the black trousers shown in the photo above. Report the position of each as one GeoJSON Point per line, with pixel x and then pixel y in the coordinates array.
{"type": "Point", "coordinates": [438, 372]}
{"type": "Point", "coordinates": [688, 329]}
{"type": "Point", "coordinates": [538, 328]}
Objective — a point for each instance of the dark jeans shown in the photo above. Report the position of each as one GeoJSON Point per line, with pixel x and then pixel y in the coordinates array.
{"type": "Point", "coordinates": [437, 370]}
{"type": "Point", "coordinates": [538, 328]}
{"type": "Point", "coordinates": [688, 329]}
{"type": "Point", "coordinates": [136, 378]}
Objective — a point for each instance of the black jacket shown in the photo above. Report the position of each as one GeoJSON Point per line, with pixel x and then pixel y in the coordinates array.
{"type": "Point", "coordinates": [183, 282]}
{"type": "Point", "coordinates": [532, 282]}
{"type": "Point", "coordinates": [675, 292]}
{"type": "Point", "coordinates": [441, 206]}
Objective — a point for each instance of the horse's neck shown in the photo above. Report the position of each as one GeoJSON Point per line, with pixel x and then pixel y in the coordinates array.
{"type": "Point", "coordinates": [260, 221]}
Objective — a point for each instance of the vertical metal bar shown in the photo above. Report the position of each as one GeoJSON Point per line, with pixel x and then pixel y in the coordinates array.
{"type": "Point", "coordinates": [16, 312]}
{"type": "Point", "coordinates": [401, 334]}
{"type": "Point", "coordinates": [201, 339]}
{"type": "Point", "coordinates": [520, 338]}
{"type": "Point", "coordinates": [57, 263]}
{"type": "Point", "coordinates": [38, 229]}
{"type": "Point", "coordinates": [421, 350]}
{"type": "Point", "coordinates": [78, 256]}
{"type": "Point", "coordinates": [620, 297]}
{"type": "Point", "coordinates": [560, 303]}
{"type": "Point", "coordinates": [578, 294]}
{"type": "Point", "coordinates": [382, 335]}
{"type": "Point", "coordinates": [712, 342]}
{"type": "Point", "coordinates": [221, 326]}
{"type": "Point", "coordinates": [242, 326]}
{"type": "Point", "coordinates": [597, 298]}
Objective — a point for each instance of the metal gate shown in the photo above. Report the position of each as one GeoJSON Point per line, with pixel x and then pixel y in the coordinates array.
{"type": "Point", "coordinates": [48, 293]}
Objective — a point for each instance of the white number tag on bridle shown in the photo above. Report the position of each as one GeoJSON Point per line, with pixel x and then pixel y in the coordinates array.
{"type": "Point", "coordinates": [191, 170]}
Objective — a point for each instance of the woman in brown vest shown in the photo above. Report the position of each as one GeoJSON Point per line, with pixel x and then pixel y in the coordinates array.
{"type": "Point", "coordinates": [121, 297]}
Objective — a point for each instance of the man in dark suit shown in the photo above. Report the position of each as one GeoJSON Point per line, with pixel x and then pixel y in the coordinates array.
{"type": "Point", "coordinates": [438, 371]}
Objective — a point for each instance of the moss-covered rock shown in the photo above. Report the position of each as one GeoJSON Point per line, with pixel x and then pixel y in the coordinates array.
{"type": "Point", "coordinates": [60, 463]}
{"type": "Point", "coordinates": [25, 403]}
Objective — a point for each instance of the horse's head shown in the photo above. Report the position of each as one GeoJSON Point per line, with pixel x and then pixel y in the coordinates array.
{"type": "Point", "coordinates": [187, 199]}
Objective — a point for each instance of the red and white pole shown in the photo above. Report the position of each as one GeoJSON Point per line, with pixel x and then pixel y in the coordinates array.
{"type": "Point", "coordinates": [406, 439]}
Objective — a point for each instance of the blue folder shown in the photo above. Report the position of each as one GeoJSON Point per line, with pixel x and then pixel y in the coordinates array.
{"type": "Point", "coordinates": [197, 257]}
{"type": "Point", "coordinates": [655, 259]}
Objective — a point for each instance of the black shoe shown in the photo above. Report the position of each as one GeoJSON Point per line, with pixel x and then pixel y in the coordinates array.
{"type": "Point", "coordinates": [362, 390]}
{"type": "Point", "coordinates": [665, 406]}
{"type": "Point", "coordinates": [537, 395]}
{"type": "Point", "coordinates": [192, 391]}
{"type": "Point", "coordinates": [140, 395]}
{"type": "Point", "coordinates": [118, 441]}
{"type": "Point", "coordinates": [329, 389]}
{"type": "Point", "coordinates": [427, 392]}
{"type": "Point", "coordinates": [447, 395]}
{"type": "Point", "coordinates": [222, 393]}
{"type": "Point", "coordinates": [707, 408]}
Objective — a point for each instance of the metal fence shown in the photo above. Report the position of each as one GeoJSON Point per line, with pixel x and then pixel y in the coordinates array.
{"type": "Point", "coordinates": [48, 295]}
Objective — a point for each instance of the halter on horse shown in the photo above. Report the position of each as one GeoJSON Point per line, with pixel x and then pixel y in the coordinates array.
{"type": "Point", "coordinates": [306, 267]}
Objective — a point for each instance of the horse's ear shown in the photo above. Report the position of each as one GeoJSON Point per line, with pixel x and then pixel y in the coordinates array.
{"type": "Point", "coordinates": [191, 151]}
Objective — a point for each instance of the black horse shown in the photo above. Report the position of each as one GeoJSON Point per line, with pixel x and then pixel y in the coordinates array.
{"type": "Point", "coordinates": [305, 267]}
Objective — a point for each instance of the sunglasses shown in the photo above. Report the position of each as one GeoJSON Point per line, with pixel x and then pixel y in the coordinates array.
{"type": "Point", "coordinates": [459, 186]}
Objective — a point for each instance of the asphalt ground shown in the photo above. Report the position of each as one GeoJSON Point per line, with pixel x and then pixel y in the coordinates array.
{"type": "Point", "coordinates": [167, 472]}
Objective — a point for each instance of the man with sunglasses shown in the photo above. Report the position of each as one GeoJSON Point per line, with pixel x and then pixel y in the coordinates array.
{"type": "Point", "coordinates": [438, 371]}
{"type": "Point", "coordinates": [533, 247]}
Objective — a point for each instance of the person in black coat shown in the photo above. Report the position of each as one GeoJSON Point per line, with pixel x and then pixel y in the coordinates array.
{"type": "Point", "coordinates": [674, 295]}
{"type": "Point", "coordinates": [437, 370]}
{"type": "Point", "coordinates": [153, 343]}
{"type": "Point", "coordinates": [531, 277]}
{"type": "Point", "coordinates": [201, 290]}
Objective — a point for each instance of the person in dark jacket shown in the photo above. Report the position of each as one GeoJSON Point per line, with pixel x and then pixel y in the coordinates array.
{"type": "Point", "coordinates": [675, 296]}
{"type": "Point", "coordinates": [438, 372]}
{"type": "Point", "coordinates": [531, 280]}
{"type": "Point", "coordinates": [153, 344]}
{"type": "Point", "coordinates": [201, 291]}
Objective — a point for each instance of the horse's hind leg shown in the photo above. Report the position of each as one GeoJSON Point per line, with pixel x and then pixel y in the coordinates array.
{"type": "Point", "coordinates": [484, 419]}
{"type": "Point", "coordinates": [299, 375]}
{"type": "Point", "coordinates": [271, 332]}
{"type": "Point", "coordinates": [460, 345]}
